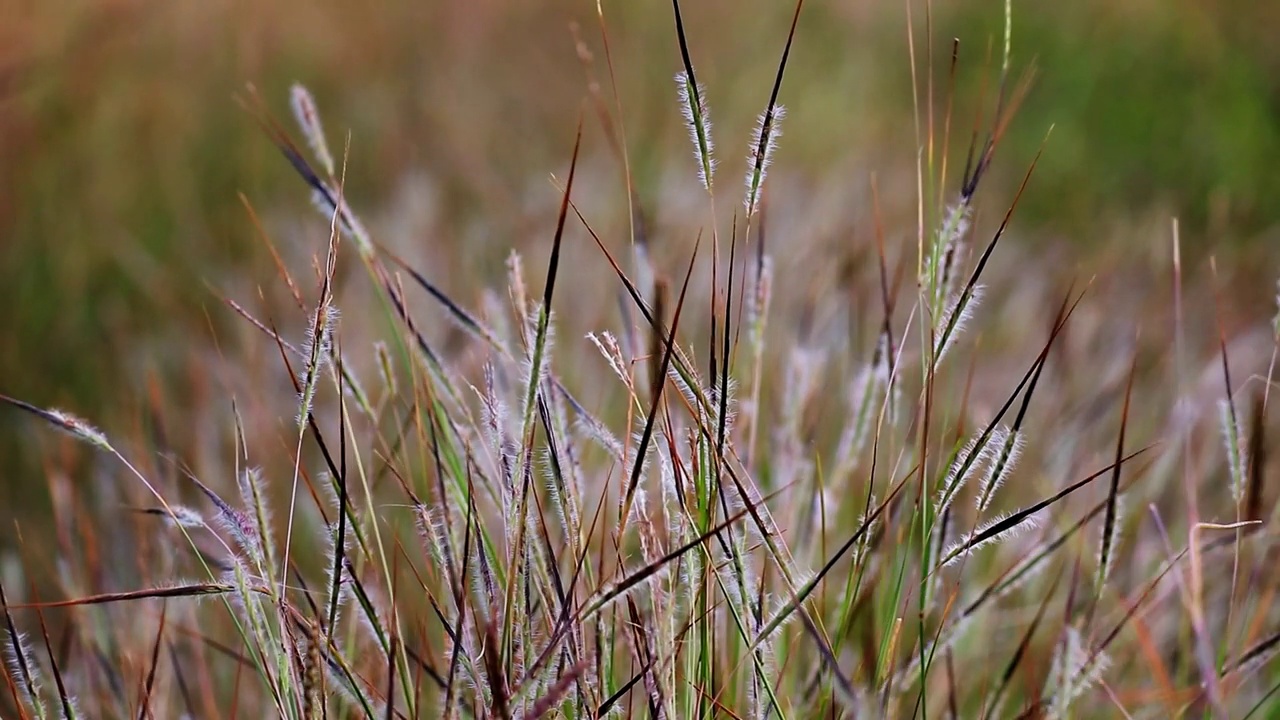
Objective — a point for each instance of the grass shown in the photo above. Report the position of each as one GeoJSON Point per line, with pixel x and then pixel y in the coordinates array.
{"type": "Point", "coordinates": [671, 478]}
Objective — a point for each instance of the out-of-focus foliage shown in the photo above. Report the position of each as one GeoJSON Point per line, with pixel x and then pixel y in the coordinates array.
{"type": "Point", "coordinates": [124, 151]}
{"type": "Point", "coordinates": [1171, 107]}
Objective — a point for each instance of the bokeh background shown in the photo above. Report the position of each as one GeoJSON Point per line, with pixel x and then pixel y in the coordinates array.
{"type": "Point", "coordinates": [127, 158]}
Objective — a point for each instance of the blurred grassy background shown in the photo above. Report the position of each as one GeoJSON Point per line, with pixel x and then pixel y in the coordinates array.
{"type": "Point", "coordinates": [123, 151]}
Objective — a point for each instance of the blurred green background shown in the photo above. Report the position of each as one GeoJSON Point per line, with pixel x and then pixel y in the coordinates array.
{"type": "Point", "coordinates": [124, 151]}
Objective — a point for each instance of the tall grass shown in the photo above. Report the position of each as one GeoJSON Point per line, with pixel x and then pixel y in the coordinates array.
{"type": "Point", "coordinates": [715, 529]}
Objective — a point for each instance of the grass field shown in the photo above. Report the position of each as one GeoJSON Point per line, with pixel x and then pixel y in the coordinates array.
{"type": "Point", "coordinates": [456, 361]}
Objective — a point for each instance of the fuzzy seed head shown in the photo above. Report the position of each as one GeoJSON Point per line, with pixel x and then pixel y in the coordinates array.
{"type": "Point", "coordinates": [959, 549]}
{"type": "Point", "coordinates": [1075, 670]}
{"type": "Point", "coordinates": [969, 462]}
{"type": "Point", "coordinates": [1110, 536]}
{"type": "Point", "coordinates": [21, 666]}
{"type": "Point", "coordinates": [308, 119]}
{"type": "Point", "coordinates": [184, 517]}
{"type": "Point", "coordinates": [79, 429]}
{"type": "Point", "coordinates": [1002, 463]}
{"type": "Point", "coordinates": [608, 346]}
{"type": "Point", "coordinates": [760, 154]}
{"type": "Point", "coordinates": [693, 103]}
{"type": "Point", "coordinates": [1236, 448]}
{"type": "Point", "coordinates": [947, 251]}
{"type": "Point", "coordinates": [958, 314]}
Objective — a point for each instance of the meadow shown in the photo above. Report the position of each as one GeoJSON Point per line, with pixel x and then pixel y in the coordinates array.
{"type": "Point", "coordinates": [770, 360]}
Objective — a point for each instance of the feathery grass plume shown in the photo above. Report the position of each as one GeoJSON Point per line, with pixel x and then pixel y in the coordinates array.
{"type": "Point", "coordinates": [537, 361]}
{"type": "Point", "coordinates": [484, 588]}
{"type": "Point", "coordinates": [644, 443]}
{"type": "Point", "coordinates": [723, 410]}
{"type": "Point", "coordinates": [764, 141]}
{"type": "Point", "coordinates": [862, 549]}
{"type": "Point", "coordinates": [982, 536]}
{"type": "Point", "coordinates": [308, 119]}
{"type": "Point", "coordinates": [246, 602]}
{"type": "Point", "coordinates": [178, 516]}
{"type": "Point", "coordinates": [608, 346]}
{"type": "Point", "coordinates": [242, 529]}
{"type": "Point", "coordinates": [313, 695]}
{"type": "Point", "coordinates": [67, 701]}
{"type": "Point", "coordinates": [496, 425]}
{"type": "Point", "coordinates": [336, 592]}
{"type": "Point", "coordinates": [1111, 519]}
{"type": "Point", "coordinates": [538, 350]}
{"type": "Point", "coordinates": [959, 311]}
{"type": "Point", "coordinates": [66, 422]}
{"type": "Point", "coordinates": [767, 128]}
{"type": "Point", "coordinates": [1237, 449]}
{"type": "Point", "coordinates": [692, 388]}
{"type": "Point", "coordinates": [80, 429]}
{"type": "Point", "coordinates": [945, 255]}
{"type": "Point", "coordinates": [1107, 560]}
{"type": "Point", "coordinates": [1075, 669]}
{"type": "Point", "coordinates": [327, 198]}
{"type": "Point", "coordinates": [596, 431]}
{"type": "Point", "coordinates": [971, 460]}
{"type": "Point", "coordinates": [251, 487]}
{"type": "Point", "coordinates": [564, 471]}
{"type": "Point", "coordinates": [1003, 464]}
{"type": "Point", "coordinates": [22, 665]}
{"type": "Point", "coordinates": [697, 119]}
{"type": "Point", "coordinates": [317, 346]}
{"type": "Point", "coordinates": [435, 536]}
{"type": "Point", "coordinates": [518, 293]}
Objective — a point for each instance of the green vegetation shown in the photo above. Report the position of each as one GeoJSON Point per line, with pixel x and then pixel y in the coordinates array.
{"type": "Point", "coordinates": [1175, 109]}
